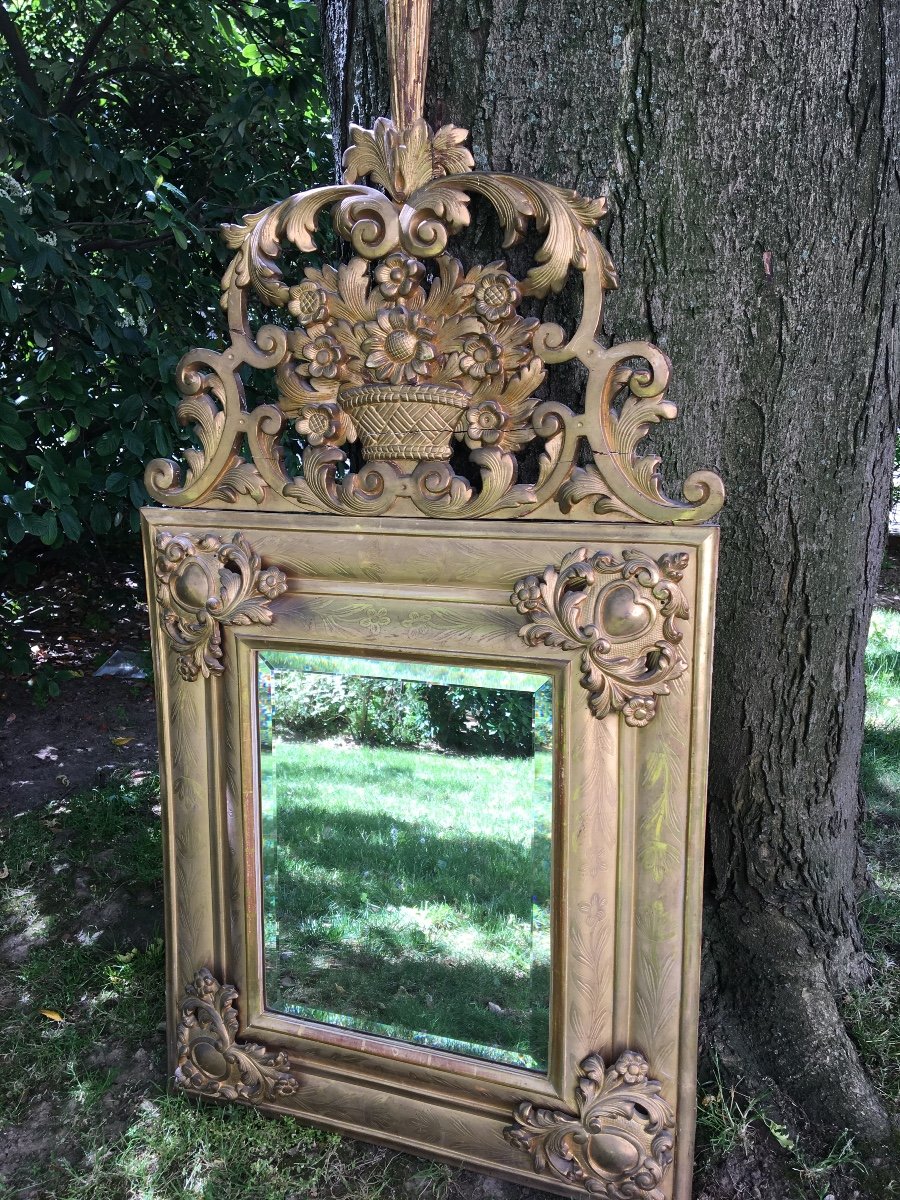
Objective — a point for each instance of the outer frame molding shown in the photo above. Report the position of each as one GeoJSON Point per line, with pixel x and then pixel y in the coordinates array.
{"type": "Point", "coordinates": [628, 828]}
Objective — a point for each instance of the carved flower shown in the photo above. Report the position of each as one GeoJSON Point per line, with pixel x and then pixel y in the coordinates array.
{"type": "Point", "coordinates": [319, 423]}
{"type": "Point", "coordinates": [485, 422]}
{"type": "Point", "coordinates": [187, 668]}
{"type": "Point", "coordinates": [639, 711]}
{"type": "Point", "coordinates": [482, 356]}
{"type": "Point", "coordinates": [632, 1067]}
{"type": "Point", "coordinates": [375, 619]}
{"type": "Point", "coordinates": [496, 295]}
{"type": "Point", "coordinates": [399, 346]}
{"type": "Point", "coordinates": [398, 274]}
{"type": "Point", "coordinates": [527, 594]}
{"type": "Point", "coordinates": [324, 357]}
{"type": "Point", "coordinates": [271, 582]}
{"type": "Point", "coordinates": [308, 303]}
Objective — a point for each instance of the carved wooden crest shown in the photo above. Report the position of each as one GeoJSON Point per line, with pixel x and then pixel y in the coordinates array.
{"type": "Point", "coordinates": [396, 366]}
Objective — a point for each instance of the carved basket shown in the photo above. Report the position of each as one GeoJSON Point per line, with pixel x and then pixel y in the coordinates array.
{"type": "Point", "coordinates": [411, 422]}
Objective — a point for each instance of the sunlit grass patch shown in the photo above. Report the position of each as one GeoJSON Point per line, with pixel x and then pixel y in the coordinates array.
{"type": "Point", "coordinates": [65, 994]}
{"type": "Point", "coordinates": [176, 1149]}
{"type": "Point", "coordinates": [874, 1012]}
{"type": "Point", "coordinates": [407, 892]}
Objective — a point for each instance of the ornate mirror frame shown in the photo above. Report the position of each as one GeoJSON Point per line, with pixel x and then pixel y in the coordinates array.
{"type": "Point", "coordinates": [388, 367]}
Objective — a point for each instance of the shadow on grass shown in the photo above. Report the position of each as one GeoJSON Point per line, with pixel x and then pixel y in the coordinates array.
{"type": "Point", "coordinates": [401, 924]}
{"type": "Point", "coordinates": [350, 858]}
{"type": "Point", "coordinates": [392, 987]}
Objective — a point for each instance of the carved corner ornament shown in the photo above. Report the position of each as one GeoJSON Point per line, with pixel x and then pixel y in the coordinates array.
{"type": "Point", "coordinates": [210, 1060]}
{"type": "Point", "coordinates": [621, 614]}
{"type": "Point", "coordinates": [618, 1145]}
{"type": "Point", "coordinates": [204, 583]}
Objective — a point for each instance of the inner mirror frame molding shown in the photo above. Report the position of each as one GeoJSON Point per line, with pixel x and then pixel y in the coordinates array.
{"type": "Point", "coordinates": [390, 370]}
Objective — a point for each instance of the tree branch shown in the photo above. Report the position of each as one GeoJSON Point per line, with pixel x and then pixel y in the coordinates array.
{"type": "Point", "coordinates": [20, 59]}
{"type": "Point", "coordinates": [90, 47]}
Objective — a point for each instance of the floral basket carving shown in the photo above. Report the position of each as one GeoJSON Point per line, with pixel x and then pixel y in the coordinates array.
{"type": "Point", "coordinates": [405, 424]}
{"type": "Point", "coordinates": [412, 365]}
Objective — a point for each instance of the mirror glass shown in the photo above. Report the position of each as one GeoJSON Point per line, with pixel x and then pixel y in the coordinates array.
{"type": "Point", "coordinates": [406, 820]}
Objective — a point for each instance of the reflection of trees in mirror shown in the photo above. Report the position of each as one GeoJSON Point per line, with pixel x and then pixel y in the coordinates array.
{"type": "Point", "coordinates": [397, 712]}
{"type": "Point", "coordinates": [411, 890]}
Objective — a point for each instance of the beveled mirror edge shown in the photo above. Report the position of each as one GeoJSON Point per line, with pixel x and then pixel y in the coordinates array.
{"type": "Point", "coordinates": [264, 1022]}
{"type": "Point", "coordinates": [195, 705]}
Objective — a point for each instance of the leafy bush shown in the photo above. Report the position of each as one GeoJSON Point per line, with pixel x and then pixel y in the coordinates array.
{"type": "Point", "coordinates": [393, 712]}
{"type": "Point", "coordinates": [374, 712]}
{"type": "Point", "coordinates": [127, 135]}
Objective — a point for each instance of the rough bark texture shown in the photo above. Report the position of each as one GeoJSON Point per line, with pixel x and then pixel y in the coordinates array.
{"type": "Point", "coordinates": [749, 151]}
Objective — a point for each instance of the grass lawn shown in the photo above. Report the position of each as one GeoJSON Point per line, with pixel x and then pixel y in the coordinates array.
{"type": "Point", "coordinates": [410, 889]}
{"type": "Point", "coordinates": [874, 1014]}
{"type": "Point", "coordinates": [83, 1111]}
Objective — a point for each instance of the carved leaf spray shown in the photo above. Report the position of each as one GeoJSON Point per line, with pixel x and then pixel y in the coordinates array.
{"type": "Point", "coordinates": [625, 627]}
{"type": "Point", "coordinates": [620, 1142]}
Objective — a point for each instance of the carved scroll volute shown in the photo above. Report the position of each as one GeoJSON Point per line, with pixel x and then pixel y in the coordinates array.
{"type": "Point", "coordinates": [205, 583]}
{"type": "Point", "coordinates": [620, 1142]}
{"type": "Point", "coordinates": [622, 614]}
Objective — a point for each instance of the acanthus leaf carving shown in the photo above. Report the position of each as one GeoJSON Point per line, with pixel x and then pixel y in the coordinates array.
{"type": "Point", "coordinates": [211, 1061]}
{"type": "Point", "coordinates": [203, 583]}
{"type": "Point", "coordinates": [415, 356]}
{"type": "Point", "coordinates": [621, 613]}
{"type": "Point", "coordinates": [620, 1142]}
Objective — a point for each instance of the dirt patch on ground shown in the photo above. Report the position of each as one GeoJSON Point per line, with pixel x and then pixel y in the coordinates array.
{"type": "Point", "coordinates": [51, 746]}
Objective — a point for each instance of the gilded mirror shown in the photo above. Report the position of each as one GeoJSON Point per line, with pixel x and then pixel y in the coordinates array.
{"type": "Point", "coordinates": [432, 653]}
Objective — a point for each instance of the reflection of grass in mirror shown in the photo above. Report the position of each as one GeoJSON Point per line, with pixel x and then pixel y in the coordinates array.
{"type": "Point", "coordinates": [412, 892]}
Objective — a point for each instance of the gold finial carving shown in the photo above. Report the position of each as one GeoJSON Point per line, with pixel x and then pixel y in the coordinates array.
{"type": "Point", "coordinates": [408, 24]}
{"type": "Point", "coordinates": [417, 360]}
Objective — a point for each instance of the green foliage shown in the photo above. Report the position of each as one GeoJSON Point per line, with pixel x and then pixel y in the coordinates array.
{"type": "Point", "coordinates": [874, 1012]}
{"type": "Point", "coordinates": [393, 712]}
{"type": "Point", "coordinates": [127, 135]}
{"type": "Point", "coordinates": [376, 712]}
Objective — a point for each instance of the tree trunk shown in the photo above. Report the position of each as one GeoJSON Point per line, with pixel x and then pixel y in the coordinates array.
{"type": "Point", "coordinates": [746, 148]}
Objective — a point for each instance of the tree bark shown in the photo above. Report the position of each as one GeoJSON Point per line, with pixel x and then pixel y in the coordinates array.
{"type": "Point", "coordinates": [749, 151]}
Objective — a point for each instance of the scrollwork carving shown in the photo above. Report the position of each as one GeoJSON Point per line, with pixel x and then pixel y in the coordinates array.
{"type": "Point", "coordinates": [204, 583]}
{"type": "Point", "coordinates": [620, 1142]}
{"type": "Point", "coordinates": [621, 613]}
{"type": "Point", "coordinates": [416, 360]}
{"type": "Point", "coordinates": [211, 1062]}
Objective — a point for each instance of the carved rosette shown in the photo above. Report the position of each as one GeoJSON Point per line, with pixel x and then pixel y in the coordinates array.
{"type": "Point", "coordinates": [205, 583]}
{"type": "Point", "coordinates": [210, 1060]}
{"type": "Point", "coordinates": [621, 614]}
{"type": "Point", "coordinates": [620, 1142]}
